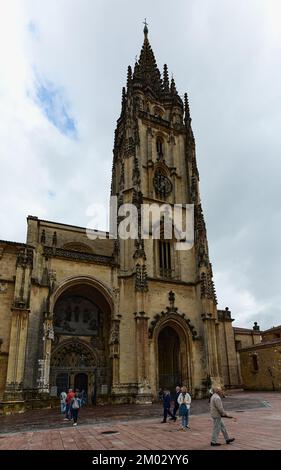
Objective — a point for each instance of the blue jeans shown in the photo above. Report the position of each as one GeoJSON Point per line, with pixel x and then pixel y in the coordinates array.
{"type": "Point", "coordinates": [68, 411]}
{"type": "Point", "coordinates": [184, 419]}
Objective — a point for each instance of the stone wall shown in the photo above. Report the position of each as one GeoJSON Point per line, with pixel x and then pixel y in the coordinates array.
{"type": "Point", "coordinates": [261, 366]}
{"type": "Point", "coordinates": [245, 337]}
{"type": "Point", "coordinates": [228, 354]}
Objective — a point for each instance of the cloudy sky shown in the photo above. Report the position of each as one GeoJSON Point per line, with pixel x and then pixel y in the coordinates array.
{"type": "Point", "coordinates": [62, 67]}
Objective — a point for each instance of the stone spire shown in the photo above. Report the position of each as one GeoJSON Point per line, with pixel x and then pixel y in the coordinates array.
{"type": "Point", "coordinates": [146, 73]}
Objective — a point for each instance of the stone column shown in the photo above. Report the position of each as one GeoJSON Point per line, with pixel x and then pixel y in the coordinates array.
{"type": "Point", "coordinates": [19, 326]}
{"type": "Point", "coordinates": [209, 323]}
{"type": "Point", "coordinates": [17, 349]}
{"type": "Point", "coordinates": [44, 364]}
{"type": "Point", "coordinates": [142, 356]}
{"type": "Point", "coordinates": [149, 161]}
{"type": "Point", "coordinates": [115, 351]}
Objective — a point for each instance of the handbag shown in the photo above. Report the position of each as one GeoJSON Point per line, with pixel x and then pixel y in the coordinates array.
{"type": "Point", "coordinates": [183, 409]}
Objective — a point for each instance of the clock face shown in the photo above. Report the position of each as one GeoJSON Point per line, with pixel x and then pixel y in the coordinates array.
{"type": "Point", "coordinates": [162, 184]}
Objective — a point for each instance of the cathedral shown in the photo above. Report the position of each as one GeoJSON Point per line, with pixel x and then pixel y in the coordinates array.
{"type": "Point", "coordinates": [119, 318]}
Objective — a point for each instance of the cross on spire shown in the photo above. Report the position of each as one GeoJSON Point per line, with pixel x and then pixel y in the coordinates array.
{"type": "Point", "coordinates": [145, 29]}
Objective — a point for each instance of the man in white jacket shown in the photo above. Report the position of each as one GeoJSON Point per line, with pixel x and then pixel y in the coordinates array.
{"type": "Point", "coordinates": [217, 412]}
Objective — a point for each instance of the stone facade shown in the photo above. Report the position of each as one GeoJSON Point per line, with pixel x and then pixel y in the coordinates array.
{"type": "Point", "coordinates": [119, 318]}
{"type": "Point", "coordinates": [261, 366]}
{"type": "Point", "coordinates": [245, 337]}
{"type": "Point", "coordinates": [260, 361]}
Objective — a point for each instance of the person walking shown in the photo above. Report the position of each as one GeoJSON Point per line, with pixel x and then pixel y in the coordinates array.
{"type": "Point", "coordinates": [160, 394]}
{"type": "Point", "coordinates": [75, 407]}
{"type": "Point", "coordinates": [68, 409]}
{"type": "Point", "coordinates": [176, 403]}
{"type": "Point", "coordinates": [184, 401]}
{"type": "Point", "coordinates": [63, 396]}
{"type": "Point", "coordinates": [167, 406]}
{"type": "Point", "coordinates": [83, 398]}
{"type": "Point", "coordinates": [217, 413]}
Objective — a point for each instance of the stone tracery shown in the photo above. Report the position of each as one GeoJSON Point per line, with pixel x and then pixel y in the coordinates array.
{"type": "Point", "coordinates": [74, 355]}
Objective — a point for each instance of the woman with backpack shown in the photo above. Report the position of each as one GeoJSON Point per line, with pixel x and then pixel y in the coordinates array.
{"type": "Point", "coordinates": [75, 407]}
{"type": "Point", "coordinates": [184, 401]}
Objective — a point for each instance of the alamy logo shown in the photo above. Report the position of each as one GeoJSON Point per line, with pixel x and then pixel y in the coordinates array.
{"type": "Point", "coordinates": [144, 221]}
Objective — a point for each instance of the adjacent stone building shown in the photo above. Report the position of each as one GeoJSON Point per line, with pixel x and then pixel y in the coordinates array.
{"type": "Point", "coordinates": [119, 318]}
{"type": "Point", "coordinates": [260, 363]}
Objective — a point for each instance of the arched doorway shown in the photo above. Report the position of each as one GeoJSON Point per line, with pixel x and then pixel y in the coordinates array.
{"type": "Point", "coordinates": [73, 365]}
{"type": "Point", "coordinates": [81, 382]}
{"type": "Point", "coordinates": [169, 360]}
{"type": "Point", "coordinates": [173, 350]}
{"type": "Point", "coordinates": [80, 352]}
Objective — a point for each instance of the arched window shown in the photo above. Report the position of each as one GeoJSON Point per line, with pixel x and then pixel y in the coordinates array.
{"type": "Point", "coordinates": [159, 148]}
{"type": "Point", "coordinates": [164, 253]}
{"type": "Point", "coordinates": [255, 362]}
{"type": "Point", "coordinates": [165, 262]}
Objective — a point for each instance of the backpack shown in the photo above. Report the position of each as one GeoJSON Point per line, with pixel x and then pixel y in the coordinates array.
{"type": "Point", "coordinates": [75, 404]}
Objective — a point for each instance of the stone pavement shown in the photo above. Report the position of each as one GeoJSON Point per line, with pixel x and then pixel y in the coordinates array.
{"type": "Point", "coordinates": [51, 418]}
{"type": "Point", "coordinates": [258, 426]}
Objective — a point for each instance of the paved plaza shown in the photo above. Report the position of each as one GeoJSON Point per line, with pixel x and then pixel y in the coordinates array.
{"type": "Point", "coordinates": [137, 427]}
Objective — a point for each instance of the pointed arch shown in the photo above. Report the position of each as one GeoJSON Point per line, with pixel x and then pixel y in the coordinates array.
{"type": "Point", "coordinates": [184, 374]}
{"type": "Point", "coordinates": [76, 281]}
{"type": "Point", "coordinates": [74, 353]}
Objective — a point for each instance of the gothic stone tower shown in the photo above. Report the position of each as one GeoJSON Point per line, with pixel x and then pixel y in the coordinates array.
{"type": "Point", "coordinates": [167, 302]}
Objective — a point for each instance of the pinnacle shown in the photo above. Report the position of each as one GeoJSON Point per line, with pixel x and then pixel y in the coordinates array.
{"type": "Point", "coordinates": [166, 84]}
{"type": "Point", "coordinates": [186, 108]}
{"type": "Point", "coordinates": [173, 87]}
{"type": "Point", "coordinates": [123, 98]}
{"type": "Point", "coordinates": [129, 75]}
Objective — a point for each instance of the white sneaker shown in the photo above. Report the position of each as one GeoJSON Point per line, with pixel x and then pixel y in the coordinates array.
{"type": "Point", "coordinates": [74, 424]}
